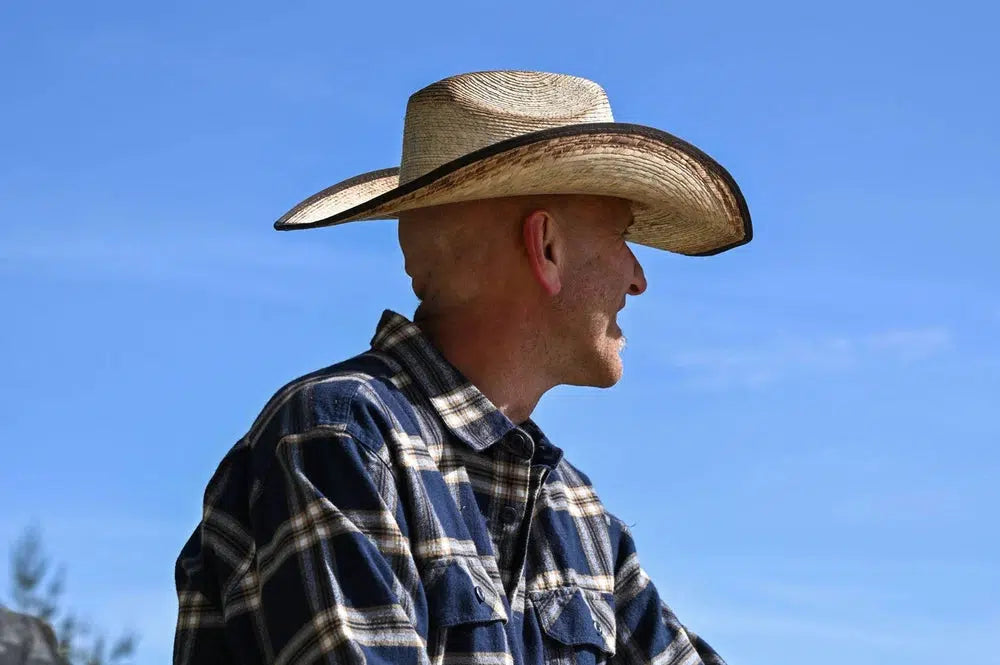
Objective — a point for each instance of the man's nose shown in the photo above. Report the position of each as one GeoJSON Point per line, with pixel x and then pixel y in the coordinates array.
{"type": "Point", "coordinates": [638, 284]}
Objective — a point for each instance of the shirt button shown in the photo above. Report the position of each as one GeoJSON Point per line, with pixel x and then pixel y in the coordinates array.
{"type": "Point", "coordinates": [480, 594]}
{"type": "Point", "coordinates": [509, 515]}
{"type": "Point", "coordinates": [597, 626]}
{"type": "Point", "coordinates": [521, 443]}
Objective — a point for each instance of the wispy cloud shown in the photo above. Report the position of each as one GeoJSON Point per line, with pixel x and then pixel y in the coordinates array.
{"type": "Point", "coordinates": [832, 610]}
{"type": "Point", "coordinates": [921, 506]}
{"type": "Point", "coordinates": [907, 345]}
{"type": "Point", "coordinates": [229, 263]}
{"type": "Point", "coordinates": [752, 366]}
{"type": "Point", "coordinates": [893, 633]}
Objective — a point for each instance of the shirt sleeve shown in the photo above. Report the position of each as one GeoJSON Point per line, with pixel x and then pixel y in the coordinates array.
{"type": "Point", "coordinates": [316, 568]}
{"type": "Point", "coordinates": [648, 630]}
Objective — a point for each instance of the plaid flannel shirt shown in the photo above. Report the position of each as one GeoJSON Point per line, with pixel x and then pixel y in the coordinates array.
{"type": "Point", "coordinates": [382, 510]}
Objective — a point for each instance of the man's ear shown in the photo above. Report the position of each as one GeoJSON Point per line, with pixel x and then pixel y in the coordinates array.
{"type": "Point", "coordinates": [545, 250]}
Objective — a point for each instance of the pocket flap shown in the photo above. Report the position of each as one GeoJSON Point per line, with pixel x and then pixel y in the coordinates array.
{"type": "Point", "coordinates": [459, 590]}
{"type": "Point", "coordinates": [577, 617]}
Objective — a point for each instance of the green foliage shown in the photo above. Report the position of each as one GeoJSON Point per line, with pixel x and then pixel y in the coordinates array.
{"type": "Point", "coordinates": [36, 589]}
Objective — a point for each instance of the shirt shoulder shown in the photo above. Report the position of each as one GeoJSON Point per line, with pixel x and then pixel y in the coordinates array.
{"type": "Point", "coordinates": [352, 400]}
{"type": "Point", "coordinates": [357, 397]}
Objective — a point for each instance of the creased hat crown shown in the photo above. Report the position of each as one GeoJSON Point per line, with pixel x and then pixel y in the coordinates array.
{"type": "Point", "coordinates": [461, 114]}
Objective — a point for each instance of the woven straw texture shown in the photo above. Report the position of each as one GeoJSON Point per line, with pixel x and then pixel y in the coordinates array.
{"type": "Point", "coordinates": [494, 134]}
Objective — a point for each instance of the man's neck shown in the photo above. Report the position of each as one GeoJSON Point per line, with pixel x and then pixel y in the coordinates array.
{"type": "Point", "coordinates": [494, 350]}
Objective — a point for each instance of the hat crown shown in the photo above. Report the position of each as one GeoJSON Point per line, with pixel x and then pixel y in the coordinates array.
{"type": "Point", "coordinates": [461, 114]}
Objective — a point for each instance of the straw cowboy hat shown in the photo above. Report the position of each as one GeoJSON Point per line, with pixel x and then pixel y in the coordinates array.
{"type": "Point", "coordinates": [509, 133]}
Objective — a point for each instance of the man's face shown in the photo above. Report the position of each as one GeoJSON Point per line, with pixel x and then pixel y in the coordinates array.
{"type": "Point", "coordinates": [600, 271]}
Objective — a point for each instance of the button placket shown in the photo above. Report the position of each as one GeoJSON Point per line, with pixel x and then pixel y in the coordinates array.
{"type": "Point", "coordinates": [520, 444]}
{"type": "Point", "coordinates": [508, 522]}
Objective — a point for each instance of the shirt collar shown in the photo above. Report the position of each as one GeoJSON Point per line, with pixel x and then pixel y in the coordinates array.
{"type": "Point", "coordinates": [466, 411]}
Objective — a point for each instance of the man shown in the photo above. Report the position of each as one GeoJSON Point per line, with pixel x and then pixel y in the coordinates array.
{"type": "Point", "coordinates": [402, 506]}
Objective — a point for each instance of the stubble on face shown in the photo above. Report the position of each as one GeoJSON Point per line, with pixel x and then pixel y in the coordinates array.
{"type": "Point", "coordinates": [598, 273]}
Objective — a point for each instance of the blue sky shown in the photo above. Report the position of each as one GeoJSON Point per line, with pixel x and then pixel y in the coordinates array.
{"type": "Point", "coordinates": [806, 434]}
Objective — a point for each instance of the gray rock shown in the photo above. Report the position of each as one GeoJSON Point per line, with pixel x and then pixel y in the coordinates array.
{"type": "Point", "coordinates": [27, 640]}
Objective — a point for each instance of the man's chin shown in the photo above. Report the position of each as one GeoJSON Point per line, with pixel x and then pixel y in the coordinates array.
{"type": "Point", "coordinates": [610, 381]}
{"type": "Point", "coordinates": [606, 373]}
{"type": "Point", "coordinates": [602, 367]}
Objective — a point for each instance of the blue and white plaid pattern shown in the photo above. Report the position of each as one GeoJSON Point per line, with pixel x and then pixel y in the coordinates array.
{"type": "Point", "coordinates": [383, 510]}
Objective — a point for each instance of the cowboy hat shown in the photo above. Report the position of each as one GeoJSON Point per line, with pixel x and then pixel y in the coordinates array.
{"type": "Point", "coordinates": [510, 133]}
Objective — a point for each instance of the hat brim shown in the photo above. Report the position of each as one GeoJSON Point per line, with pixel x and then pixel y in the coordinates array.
{"type": "Point", "coordinates": [683, 200]}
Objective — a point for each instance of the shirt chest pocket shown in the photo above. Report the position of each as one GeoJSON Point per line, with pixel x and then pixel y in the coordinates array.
{"type": "Point", "coordinates": [578, 625]}
{"type": "Point", "coordinates": [466, 614]}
